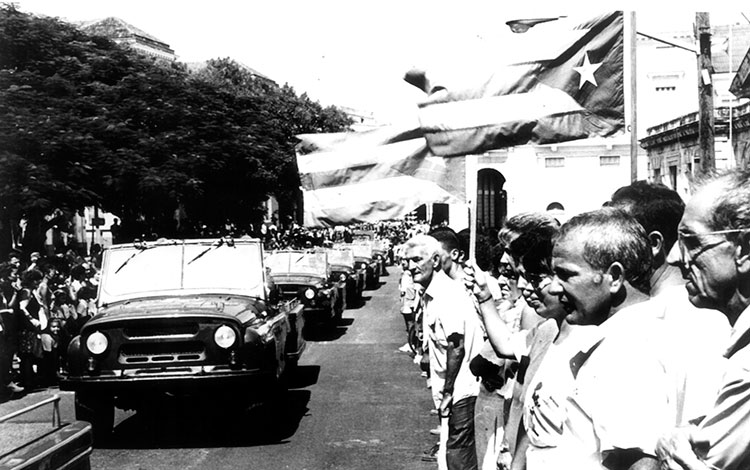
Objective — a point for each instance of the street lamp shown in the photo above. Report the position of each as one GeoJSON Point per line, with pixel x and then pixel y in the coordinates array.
{"type": "Point", "coordinates": [523, 25]}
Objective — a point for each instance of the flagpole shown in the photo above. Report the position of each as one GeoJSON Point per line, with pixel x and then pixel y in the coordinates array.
{"type": "Point", "coordinates": [633, 102]}
{"type": "Point", "coordinates": [471, 199]}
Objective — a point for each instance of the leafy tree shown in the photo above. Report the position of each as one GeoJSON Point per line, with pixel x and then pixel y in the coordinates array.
{"type": "Point", "coordinates": [84, 122]}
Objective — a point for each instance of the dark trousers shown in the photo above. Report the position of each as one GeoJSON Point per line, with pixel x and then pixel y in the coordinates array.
{"type": "Point", "coordinates": [28, 376]}
{"type": "Point", "coordinates": [5, 363]}
{"type": "Point", "coordinates": [460, 449]}
{"type": "Point", "coordinates": [408, 320]}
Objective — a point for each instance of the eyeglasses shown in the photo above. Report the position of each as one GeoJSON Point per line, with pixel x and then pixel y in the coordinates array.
{"type": "Point", "coordinates": [538, 281]}
{"type": "Point", "coordinates": [507, 271]}
{"type": "Point", "coordinates": [691, 247]}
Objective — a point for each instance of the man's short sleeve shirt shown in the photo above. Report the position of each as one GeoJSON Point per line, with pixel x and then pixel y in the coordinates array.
{"type": "Point", "coordinates": [448, 310]}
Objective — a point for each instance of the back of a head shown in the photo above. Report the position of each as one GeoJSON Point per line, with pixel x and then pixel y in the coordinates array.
{"type": "Point", "coordinates": [528, 238]}
{"type": "Point", "coordinates": [655, 206]}
{"type": "Point", "coordinates": [446, 236]}
{"type": "Point", "coordinates": [732, 207]}
{"type": "Point", "coordinates": [611, 235]}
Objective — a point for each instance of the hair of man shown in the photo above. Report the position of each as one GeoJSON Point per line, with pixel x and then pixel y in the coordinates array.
{"type": "Point", "coordinates": [611, 235]}
{"type": "Point", "coordinates": [428, 246]}
{"type": "Point", "coordinates": [530, 236]}
{"type": "Point", "coordinates": [732, 207]}
{"type": "Point", "coordinates": [447, 238]}
{"type": "Point", "coordinates": [30, 277]}
{"type": "Point", "coordinates": [657, 207]}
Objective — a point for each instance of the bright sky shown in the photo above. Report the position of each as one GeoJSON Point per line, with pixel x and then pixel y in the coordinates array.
{"type": "Point", "coordinates": [349, 53]}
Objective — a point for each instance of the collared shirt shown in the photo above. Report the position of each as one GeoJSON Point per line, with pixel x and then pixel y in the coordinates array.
{"type": "Point", "coordinates": [628, 389]}
{"type": "Point", "coordinates": [725, 432]}
{"type": "Point", "coordinates": [448, 310]}
{"type": "Point", "coordinates": [555, 433]}
{"type": "Point", "coordinates": [695, 339]}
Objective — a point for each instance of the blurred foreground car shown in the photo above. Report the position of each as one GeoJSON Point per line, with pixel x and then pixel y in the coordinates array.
{"type": "Point", "coordinates": [26, 444]}
{"type": "Point", "coordinates": [181, 317]}
{"type": "Point", "coordinates": [343, 268]}
{"type": "Point", "coordinates": [306, 275]}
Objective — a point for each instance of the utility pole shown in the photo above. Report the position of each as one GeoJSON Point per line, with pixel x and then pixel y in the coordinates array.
{"type": "Point", "coordinates": [705, 94]}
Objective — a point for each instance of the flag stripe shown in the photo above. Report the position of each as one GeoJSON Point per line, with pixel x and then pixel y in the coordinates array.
{"type": "Point", "coordinates": [361, 203]}
{"type": "Point", "coordinates": [544, 101]}
{"type": "Point", "coordinates": [359, 156]}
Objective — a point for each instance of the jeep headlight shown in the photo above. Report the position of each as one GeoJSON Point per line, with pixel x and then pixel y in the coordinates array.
{"type": "Point", "coordinates": [309, 293]}
{"type": "Point", "coordinates": [342, 278]}
{"type": "Point", "coordinates": [97, 343]}
{"type": "Point", "coordinates": [225, 336]}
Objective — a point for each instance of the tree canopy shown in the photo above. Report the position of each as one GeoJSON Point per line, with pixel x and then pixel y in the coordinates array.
{"type": "Point", "coordinates": [84, 121]}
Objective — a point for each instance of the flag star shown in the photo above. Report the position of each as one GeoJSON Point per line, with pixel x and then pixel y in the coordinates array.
{"type": "Point", "coordinates": [586, 71]}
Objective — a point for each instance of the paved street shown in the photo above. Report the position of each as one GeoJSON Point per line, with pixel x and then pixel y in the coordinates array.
{"type": "Point", "coordinates": [357, 403]}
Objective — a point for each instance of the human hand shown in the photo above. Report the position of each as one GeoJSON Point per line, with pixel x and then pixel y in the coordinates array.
{"type": "Point", "coordinates": [444, 410]}
{"type": "Point", "coordinates": [475, 280]}
{"type": "Point", "coordinates": [675, 451]}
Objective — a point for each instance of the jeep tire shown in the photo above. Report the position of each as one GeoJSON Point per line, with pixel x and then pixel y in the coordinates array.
{"type": "Point", "coordinates": [99, 410]}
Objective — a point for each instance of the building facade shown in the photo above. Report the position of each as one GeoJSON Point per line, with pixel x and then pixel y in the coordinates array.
{"type": "Point", "coordinates": [124, 33]}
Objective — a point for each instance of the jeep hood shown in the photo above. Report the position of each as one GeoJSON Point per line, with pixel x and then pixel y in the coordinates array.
{"type": "Point", "coordinates": [244, 309]}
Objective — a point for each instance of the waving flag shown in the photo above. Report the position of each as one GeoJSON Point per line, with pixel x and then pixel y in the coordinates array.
{"type": "Point", "coordinates": [374, 175]}
{"type": "Point", "coordinates": [570, 89]}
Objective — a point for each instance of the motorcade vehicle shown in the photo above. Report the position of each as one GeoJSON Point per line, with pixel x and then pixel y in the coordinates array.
{"type": "Point", "coordinates": [306, 275]}
{"type": "Point", "coordinates": [381, 249]}
{"type": "Point", "coordinates": [345, 269]}
{"type": "Point", "coordinates": [193, 318]}
{"type": "Point", "coordinates": [364, 257]}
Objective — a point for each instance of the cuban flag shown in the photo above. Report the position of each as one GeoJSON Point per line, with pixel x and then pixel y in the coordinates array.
{"type": "Point", "coordinates": [566, 85]}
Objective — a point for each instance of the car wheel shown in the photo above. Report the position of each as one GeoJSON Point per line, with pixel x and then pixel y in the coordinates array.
{"type": "Point", "coordinates": [98, 410]}
{"type": "Point", "coordinates": [338, 311]}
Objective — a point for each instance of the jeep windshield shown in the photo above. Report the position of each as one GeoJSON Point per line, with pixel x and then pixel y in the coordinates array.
{"type": "Point", "coordinates": [182, 268]}
{"type": "Point", "coordinates": [341, 257]}
{"type": "Point", "coordinates": [362, 250]}
{"type": "Point", "coordinates": [295, 262]}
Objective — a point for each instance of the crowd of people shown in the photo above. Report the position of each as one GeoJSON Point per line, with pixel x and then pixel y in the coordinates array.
{"type": "Point", "coordinates": [617, 340]}
{"type": "Point", "coordinates": [44, 302]}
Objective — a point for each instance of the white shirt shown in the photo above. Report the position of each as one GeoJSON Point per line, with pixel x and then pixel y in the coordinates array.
{"type": "Point", "coordinates": [449, 309]}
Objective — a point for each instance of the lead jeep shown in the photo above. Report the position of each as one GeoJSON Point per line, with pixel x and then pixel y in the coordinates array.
{"type": "Point", "coordinates": [181, 317]}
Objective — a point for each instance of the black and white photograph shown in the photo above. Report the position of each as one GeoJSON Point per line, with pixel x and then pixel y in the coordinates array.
{"type": "Point", "coordinates": [331, 235]}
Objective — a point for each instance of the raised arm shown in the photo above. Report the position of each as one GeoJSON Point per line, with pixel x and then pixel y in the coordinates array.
{"type": "Point", "coordinates": [498, 332]}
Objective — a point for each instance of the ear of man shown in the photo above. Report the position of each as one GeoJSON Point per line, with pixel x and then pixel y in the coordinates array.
{"type": "Point", "coordinates": [616, 274]}
{"type": "Point", "coordinates": [742, 253]}
{"type": "Point", "coordinates": [656, 241]}
{"type": "Point", "coordinates": [436, 263]}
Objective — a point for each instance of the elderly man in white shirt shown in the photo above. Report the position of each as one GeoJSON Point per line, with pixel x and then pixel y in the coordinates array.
{"type": "Point", "coordinates": [454, 337]}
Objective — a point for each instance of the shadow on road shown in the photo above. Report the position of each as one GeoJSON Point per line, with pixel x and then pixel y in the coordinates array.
{"type": "Point", "coordinates": [185, 424]}
{"type": "Point", "coordinates": [303, 376]}
{"type": "Point", "coordinates": [324, 332]}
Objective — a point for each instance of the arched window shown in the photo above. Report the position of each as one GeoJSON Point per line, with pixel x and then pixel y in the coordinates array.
{"type": "Point", "coordinates": [492, 204]}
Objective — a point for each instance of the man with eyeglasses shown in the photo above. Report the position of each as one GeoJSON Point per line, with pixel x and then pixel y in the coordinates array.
{"type": "Point", "coordinates": [713, 252]}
